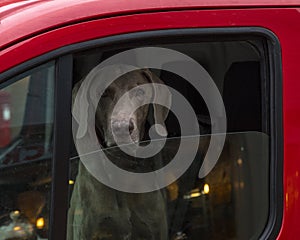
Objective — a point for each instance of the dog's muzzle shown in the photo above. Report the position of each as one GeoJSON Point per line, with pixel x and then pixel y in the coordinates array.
{"type": "Point", "coordinates": [122, 127]}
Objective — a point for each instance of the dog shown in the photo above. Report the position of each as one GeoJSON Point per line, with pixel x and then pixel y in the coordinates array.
{"type": "Point", "coordinates": [98, 212]}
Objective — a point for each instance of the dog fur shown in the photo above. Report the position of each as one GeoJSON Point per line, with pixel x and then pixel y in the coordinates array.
{"type": "Point", "coordinates": [98, 212]}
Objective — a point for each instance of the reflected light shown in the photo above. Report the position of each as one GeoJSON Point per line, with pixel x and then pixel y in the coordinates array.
{"type": "Point", "coordinates": [196, 194]}
{"type": "Point", "coordinates": [6, 113]}
{"type": "Point", "coordinates": [239, 161]}
{"type": "Point", "coordinates": [40, 223]}
{"type": "Point", "coordinates": [17, 228]}
{"type": "Point", "coordinates": [206, 188]}
{"type": "Point", "coordinates": [71, 182]}
{"type": "Point", "coordinates": [192, 195]}
{"type": "Point", "coordinates": [17, 212]}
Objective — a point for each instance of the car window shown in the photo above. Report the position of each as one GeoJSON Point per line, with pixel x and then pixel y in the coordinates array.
{"type": "Point", "coordinates": [212, 120]}
{"type": "Point", "coordinates": [26, 123]}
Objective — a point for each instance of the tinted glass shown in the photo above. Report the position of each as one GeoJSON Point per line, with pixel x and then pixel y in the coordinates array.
{"type": "Point", "coordinates": [26, 123]}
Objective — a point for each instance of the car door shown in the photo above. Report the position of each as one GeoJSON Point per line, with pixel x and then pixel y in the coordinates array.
{"type": "Point", "coordinates": [223, 68]}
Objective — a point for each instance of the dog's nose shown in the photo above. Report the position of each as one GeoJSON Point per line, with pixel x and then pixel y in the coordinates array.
{"type": "Point", "coordinates": [121, 127]}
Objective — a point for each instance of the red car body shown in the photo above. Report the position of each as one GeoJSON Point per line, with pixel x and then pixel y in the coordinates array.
{"type": "Point", "coordinates": [32, 28]}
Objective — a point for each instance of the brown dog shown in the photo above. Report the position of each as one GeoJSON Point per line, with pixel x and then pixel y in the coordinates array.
{"type": "Point", "coordinates": [99, 212]}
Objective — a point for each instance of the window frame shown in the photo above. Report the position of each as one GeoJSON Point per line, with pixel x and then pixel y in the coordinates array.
{"type": "Point", "coordinates": [62, 115]}
{"type": "Point", "coordinates": [62, 118]}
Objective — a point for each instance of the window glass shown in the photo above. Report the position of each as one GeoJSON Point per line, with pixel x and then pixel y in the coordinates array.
{"type": "Point", "coordinates": [26, 123]}
{"type": "Point", "coordinates": [220, 187]}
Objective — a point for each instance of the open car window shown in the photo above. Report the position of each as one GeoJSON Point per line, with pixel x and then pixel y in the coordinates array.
{"type": "Point", "coordinates": [230, 202]}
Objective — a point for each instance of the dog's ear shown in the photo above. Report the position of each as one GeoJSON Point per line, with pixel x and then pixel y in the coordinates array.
{"type": "Point", "coordinates": [79, 112]}
{"type": "Point", "coordinates": [160, 112]}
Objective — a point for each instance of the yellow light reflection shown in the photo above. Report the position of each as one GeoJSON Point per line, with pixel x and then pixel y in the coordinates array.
{"type": "Point", "coordinates": [71, 182]}
{"type": "Point", "coordinates": [206, 188]}
{"type": "Point", "coordinates": [196, 194]}
{"type": "Point", "coordinates": [17, 228]}
{"type": "Point", "coordinates": [17, 212]}
{"type": "Point", "coordinates": [40, 223]}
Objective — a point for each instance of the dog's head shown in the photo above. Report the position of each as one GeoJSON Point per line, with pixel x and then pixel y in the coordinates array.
{"type": "Point", "coordinates": [114, 122]}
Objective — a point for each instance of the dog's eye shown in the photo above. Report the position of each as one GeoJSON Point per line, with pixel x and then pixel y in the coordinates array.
{"type": "Point", "coordinates": [105, 94]}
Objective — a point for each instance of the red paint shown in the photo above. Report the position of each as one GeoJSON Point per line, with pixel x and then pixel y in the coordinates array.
{"type": "Point", "coordinates": [56, 30]}
{"type": "Point", "coordinates": [21, 19]}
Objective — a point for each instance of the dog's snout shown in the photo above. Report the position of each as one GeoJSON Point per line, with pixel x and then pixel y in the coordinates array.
{"type": "Point", "coordinates": [122, 126]}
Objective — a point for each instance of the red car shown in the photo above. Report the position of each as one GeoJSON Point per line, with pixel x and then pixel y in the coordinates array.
{"type": "Point", "coordinates": [235, 64]}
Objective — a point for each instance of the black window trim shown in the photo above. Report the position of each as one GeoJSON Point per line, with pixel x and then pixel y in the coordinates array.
{"type": "Point", "coordinates": [61, 149]}
{"type": "Point", "coordinates": [63, 116]}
